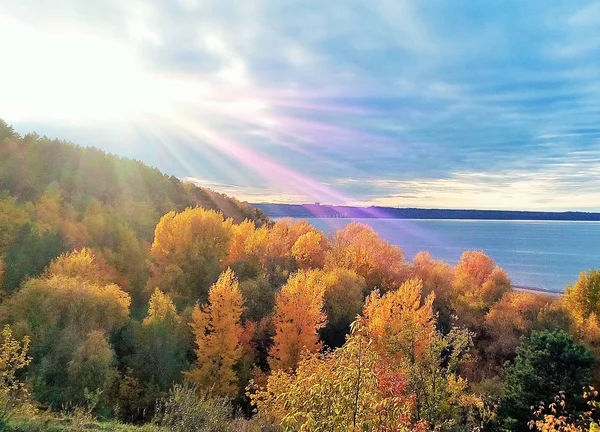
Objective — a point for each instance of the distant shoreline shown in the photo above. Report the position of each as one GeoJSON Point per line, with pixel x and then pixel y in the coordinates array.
{"type": "Point", "coordinates": [347, 212]}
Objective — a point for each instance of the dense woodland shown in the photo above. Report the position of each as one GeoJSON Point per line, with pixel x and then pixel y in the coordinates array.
{"type": "Point", "coordinates": [132, 301]}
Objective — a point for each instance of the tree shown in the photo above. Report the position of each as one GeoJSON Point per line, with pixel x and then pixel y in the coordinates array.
{"type": "Point", "coordinates": [259, 297]}
{"type": "Point", "coordinates": [218, 331]}
{"type": "Point", "coordinates": [309, 250]}
{"type": "Point", "coordinates": [400, 322]}
{"type": "Point", "coordinates": [357, 247]}
{"type": "Point", "coordinates": [21, 263]}
{"type": "Point", "coordinates": [515, 315]}
{"type": "Point", "coordinates": [478, 284]}
{"type": "Point", "coordinates": [160, 344]}
{"type": "Point", "coordinates": [59, 313]}
{"type": "Point", "coordinates": [583, 298]}
{"type": "Point", "coordinates": [352, 388]}
{"type": "Point", "coordinates": [187, 252]}
{"type": "Point", "coordinates": [547, 362]}
{"type": "Point", "coordinates": [84, 264]}
{"type": "Point", "coordinates": [402, 326]}
{"type": "Point", "coordinates": [13, 358]}
{"type": "Point", "coordinates": [298, 317]}
{"type": "Point", "coordinates": [92, 367]}
{"type": "Point", "coordinates": [160, 309]}
{"type": "Point", "coordinates": [437, 277]}
{"type": "Point", "coordinates": [344, 291]}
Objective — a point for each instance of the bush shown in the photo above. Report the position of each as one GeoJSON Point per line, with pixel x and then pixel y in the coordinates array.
{"type": "Point", "coordinates": [190, 409]}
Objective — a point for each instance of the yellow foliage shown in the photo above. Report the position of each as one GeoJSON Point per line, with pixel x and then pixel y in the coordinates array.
{"type": "Point", "coordinates": [84, 264]}
{"type": "Point", "coordinates": [188, 251]}
{"type": "Point", "coordinates": [478, 284]}
{"type": "Point", "coordinates": [13, 357]}
{"type": "Point", "coordinates": [350, 389]}
{"type": "Point", "coordinates": [218, 335]}
{"type": "Point", "coordinates": [401, 323]}
{"type": "Point", "coordinates": [309, 250]}
{"type": "Point", "coordinates": [357, 247]}
{"type": "Point", "coordinates": [583, 298]}
{"type": "Point", "coordinates": [297, 319]}
{"type": "Point", "coordinates": [160, 308]}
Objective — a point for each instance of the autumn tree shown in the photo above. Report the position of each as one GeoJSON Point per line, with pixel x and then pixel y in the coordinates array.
{"type": "Point", "coordinates": [437, 277]}
{"type": "Point", "coordinates": [187, 252]}
{"type": "Point", "coordinates": [478, 284]}
{"type": "Point", "coordinates": [402, 326]}
{"type": "Point", "coordinates": [217, 330]}
{"type": "Point", "coordinates": [344, 293]}
{"type": "Point", "coordinates": [350, 389]}
{"type": "Point", "coordinates": [84, 264]}
{"type": "Point", "coordinates": [298, 317]}
{"type": "Point", "coordinates": [583, 298]}
{"type": "Point", "coordinates": [13, 358]}
{"type": "Point", "coordinates": [514, 316]}
{"type": "Point", "coordinates": [400, 321]}
{"type": "Point", "coordinates": [359, 248]}
{"type": "Point", "coordinates": [309, 250]}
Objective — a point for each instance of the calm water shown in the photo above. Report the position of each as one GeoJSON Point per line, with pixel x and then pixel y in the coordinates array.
{"type": "Point", "coordinates": [544, 254]}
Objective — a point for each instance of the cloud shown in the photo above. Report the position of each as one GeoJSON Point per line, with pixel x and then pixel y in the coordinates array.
{"type": "Point", "coordinates": [295, 97]}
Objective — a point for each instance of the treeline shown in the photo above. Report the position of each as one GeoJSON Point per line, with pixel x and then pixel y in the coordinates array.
{"type": "Point", "coordinates": [375, 212]}
{"type": "Point", "coordinates": [222, 323]}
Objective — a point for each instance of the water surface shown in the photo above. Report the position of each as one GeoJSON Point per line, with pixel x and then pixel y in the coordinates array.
{"type": "Point", "coordinates": [543, 254]}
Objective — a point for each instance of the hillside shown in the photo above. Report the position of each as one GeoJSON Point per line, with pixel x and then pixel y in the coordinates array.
{"type": "Point", "coordinates": [56, 196]}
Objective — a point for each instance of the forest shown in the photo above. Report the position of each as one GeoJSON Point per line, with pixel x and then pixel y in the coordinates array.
{"type": "Point", "coordinates": [130, 300]}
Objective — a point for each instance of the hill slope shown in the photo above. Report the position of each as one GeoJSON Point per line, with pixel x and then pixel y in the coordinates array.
{"type": "Point", "coordinates": [56, 196]}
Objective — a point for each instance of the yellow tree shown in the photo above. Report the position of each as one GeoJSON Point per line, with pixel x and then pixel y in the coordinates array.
{"type": "Point", "coordinates": [84, 264]}
{"type": "Point", "coordinates": [583, 298]}
{"type": "Point", "coordinates": [309, 250]}
{"type": "Point", "coordinates": [437, 277]}
{"type": "Point", "coordinates": [188, 251]}
{"type": "Point", "coordinates": [350, 389]}
{"type": "Point", "coordinates": [218, 332]}
{"type": "Point", "coordinates": [344, 291]}
{"type": "Point", "coordinates": [400, 321]}
{"type": "Point", "coordinates": [357, 247]}
{"type": "Point", "coordinates": [297, 319]}
{"type": "Point", "coordinates": [402, 326]}
{"type": "Point", "coordinates": [160, 309]}
{"type": "Point", "coordinates": [13, 358]}
{"type": "Point", "coordinates": [478, 284]}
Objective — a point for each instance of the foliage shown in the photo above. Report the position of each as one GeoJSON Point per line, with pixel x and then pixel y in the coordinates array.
{"type": "Point", "coordinates": [343, 302]}
{"type": "Point", "coordinates": [188, 408]}
{"type": "Point", "coordinates": [351, 389]}
{"type": "Point", "coordinates": [478, 284]}
{"type": "Point", "coordinates": [187, 252]}
{"type": "Point", "coordinates": [298, 317]}
{"type": "Point", "coordinates": [61, 314]}
{"type": "Point", "coordinates": [357, 247]}
{"type": "Point", "coordinates": [547, 363]}
{"type": "Point", "coordinates": [218, 332]}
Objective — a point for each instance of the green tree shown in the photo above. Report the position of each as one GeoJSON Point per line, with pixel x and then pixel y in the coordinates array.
{"type": "Point", "coordinates": [21, 260]}
{"type": "Point", "coordinates": [547, 363]}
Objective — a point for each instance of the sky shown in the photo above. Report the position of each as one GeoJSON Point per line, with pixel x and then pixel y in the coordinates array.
{"type": "Point", "coordinates": [434, 104]}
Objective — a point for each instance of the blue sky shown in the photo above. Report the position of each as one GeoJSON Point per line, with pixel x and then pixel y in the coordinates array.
{"type": "Point", "coordinates": [450, 104]}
